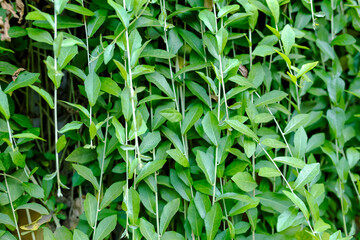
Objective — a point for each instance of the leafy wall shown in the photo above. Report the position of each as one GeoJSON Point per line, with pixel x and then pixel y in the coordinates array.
{"type": "Point", "coordinates": [179, 119]}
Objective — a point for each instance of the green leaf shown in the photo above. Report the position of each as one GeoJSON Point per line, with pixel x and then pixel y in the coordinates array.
{"type": "Point", "coordinates": [211, 126]}
{"type": "Point", "coordinates": [5, 219]}
{"type": "Point", "coordinates": [34, 207]}
{"type": "Point", "coordinates": [61, 143]}
{"type": "Point", "coordinates": [96, 21]}
{"type": "Point", "coordinates": [157, 53]}
{"type": "Point", "coordinates": [287, 38]}
{"type": "Point", "coordinates": [120, 12]}
{"type": "Point", "coordinates": [336, 118]}
{"type": "Point", "coordinates": [240, 127]}
{"type": "Point", "coordinates": [227, 9]}
{"type": "Point", "coordinates": [270, 97]}
{"type": "Point", "coordinates": [275, 9]}
{"type": "Point", "coordinates": [307, 174]}
{"type": "Point", "coordinates": [92, 87]}
{"type": "Point", "coordinates": [87, 174]}
{"type": "Point", "coordinates": [263, 50]}
{"type": "Point", "coordinates": [298, 202]}
{"type": "Point", "coordinates": [59, 6]}
{"type": "Point", "coordinates": [105, 227]}
{"type": "Point", "coordinates": [108, 53]}
{"type": "Point", "coordinates": [82, 155]}
{"type": "Point", "coordinates": [221, 38]}
{"type": "Point", "coordinates": [160, 82]}
{"type": "Point", "coordinates": [149, 169]}
{"type": "Point", "coordinates": [33, 190]}
{"type": "Point", "coordinates": [17, 158]}
{"type": "Point", "coordinates": [79, 235]}
{"type": "Point", "coordinates": [147, 229]}
{"type": "Point", "coordinates": [291, 161]}
{"type": "Point", "coordinates": [171, 114]}
{"type": "Point", "coordinates": [191, 67]}
{"type": "Point", "coordinates": [79, 9]}
{"type": "Point", "coordinates": [286, 219]}
{"type": "Point", "coordinates": [244, 181]}
{"type": "Point", "coordinates": [27, 135]}
{"type": "Point", "coordinates": [269, 172]}
{"type": "Point", "coordinates": [178, 156]}
{"type": "Point", "coordinates": [213, 221]}
{"type": "Point", "coordinates": [326, 49]}
{"type": "Point", "coordinates": [286, 58]}
{"type": "Point", "coordinates": [40, 35]}
{"type": "Point", "coordinates": [110, 86]}
{"type": "Point", "coordinates": [45, 95]}
{"type": "Point", "coordinates": [194, 219]}
{"type": "Point", "coordinates": [198, 91]}
{"type": "Point", "coordinates": [150, 141]}
{"type": "Point", "coordinates": [191, 117]}
{"type": "Point", "coordinates": [4, 105]}
{"type": "Point", "coordinates": [343, 40]}
{"type": "Point", "coordinates": [133, 208]}
{"type": "Point", "coordinates": [24, 79]}
{"type": "Point", "coordinates": [173, 137]}
{"type": "Point", "coordinates": [193, 41]}
{"type": "Point", "coordinates": [206, 163]}
{"type": "Point", "coordinates": [112, 193]}
{"type": "Point", "coordinates": [273, 143]}
{"type": "Point", "coordinates": [168, 213]}
{"type": "Point", "coordinates": [209, 20]}
{"type": "Point", "coordinates": [90, 207]}
{"type": "Point", "coordinates": [74, 125]}
{"type": "Point", "coordinates": [296, 122]}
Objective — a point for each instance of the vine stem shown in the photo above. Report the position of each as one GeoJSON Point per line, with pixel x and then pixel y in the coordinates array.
{"type": "Point", "coordinates": [132, 96]}
{"type": "Point", "coordinates": [88, 61]}
{"type": "Point", "coordinates": [101, 171]}
{"type": "Point", "coordinates": [59, 194]}
{"type": "Point", "coordinates": [215, 171]}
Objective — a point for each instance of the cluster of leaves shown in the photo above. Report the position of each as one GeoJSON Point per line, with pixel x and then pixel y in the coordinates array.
{"type": "Point", "coordinates": [191, 119]}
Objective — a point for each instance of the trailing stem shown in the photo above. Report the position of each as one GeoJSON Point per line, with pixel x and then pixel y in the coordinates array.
{"type": "Point", "coordinates": [132, 96]}
{"type": "Point", "coordinates": [101, 172]}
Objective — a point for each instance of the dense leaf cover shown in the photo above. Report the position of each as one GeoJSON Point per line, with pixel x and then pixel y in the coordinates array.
{"type": "Point", "coordinates": [192, 119]}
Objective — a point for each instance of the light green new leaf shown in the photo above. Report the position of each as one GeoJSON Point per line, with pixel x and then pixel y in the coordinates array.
{"type": "Point", "coordinates": [211, 128]}
{"type": "Point", "coordinates": [242, 128]}
{"type": "Point", "coordinates": [92, 87]}
{"type": "Point", "coordinates": [112, 193]}
{"type": "Point", "coordinates": [273, 143]}
{"type": "Point", "coordinates": [298, 202]}
{"type": "Point", "coordinates": [61, 143]}
{"type": "Point", "coordinates": [263, 50]}
{"type": "Point", "coordinates": [168, 213]}
{"type": "Point", "coordinates": [244, 181]}
{"type": "Point", "coordinates": [86, 173]}
{"type": "Point", "coordinates": [105, 227]}
{"type": "Point", "coordinates": [275, 9]}
{"type": "Point", "coordinates": [110, 86]}
{"type": "Point", "coordinates": [296, 122]}
{"type": "Point", "coordinates": [90, 207]}
{"type": "Point", "coordinates": [270, 97]}
{"type": "Point", "coordinates": [305, 68]}
{"type": "Point", "coordinates": [221, 39]}
{"type": "Point", "coordinates": [307, 174]}
{"type": "Point", "coordinates": [287, 38]}
{"type": "Point", "coordinates": [213, 221]}
{"type": "Point", "coordinates": [28, 135]}
{"type": "Point", "coordinates": [79, 9]}
{"type": "Point", "coordinates": [227, 9]}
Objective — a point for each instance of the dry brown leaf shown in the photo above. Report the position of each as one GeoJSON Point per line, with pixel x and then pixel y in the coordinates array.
{"type": "Point", "coordinates": [16, 73]}
{"type": "Point", "coordinates": [208, 4]}
{"type": "Point", "coordinates": [243, 70]}
{"type": "Point", "coordinates": [7, 6]}
{"type": "Point", "coordinates": [4, 29]}
{"type": "Point", "coordinates": [20, 8]}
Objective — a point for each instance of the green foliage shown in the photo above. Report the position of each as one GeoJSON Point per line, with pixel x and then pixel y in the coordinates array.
{"type": "Point", "coordinates": [180, 120]}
